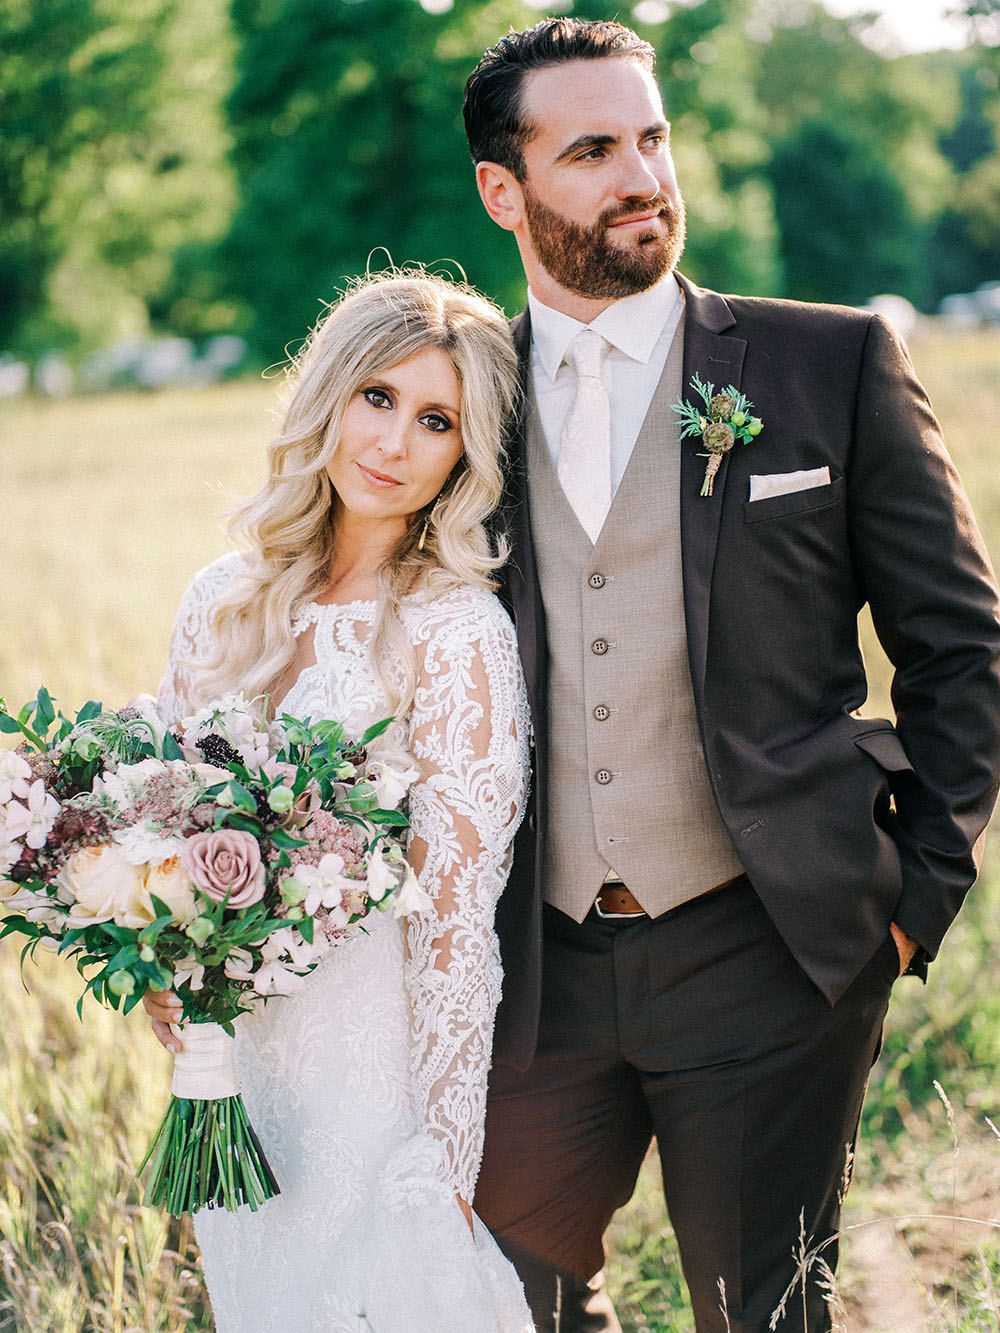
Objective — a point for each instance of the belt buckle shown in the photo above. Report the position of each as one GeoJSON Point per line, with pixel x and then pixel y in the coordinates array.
{"type": "Point", "coordinates": [613, 916]}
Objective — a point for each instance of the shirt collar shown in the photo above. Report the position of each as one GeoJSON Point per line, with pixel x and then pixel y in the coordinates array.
{"type": "Point", "coordinates": [632, 324]}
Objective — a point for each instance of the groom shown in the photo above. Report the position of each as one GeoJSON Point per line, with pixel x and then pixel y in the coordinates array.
{"type": "Point", "coordinates": [727, 865]}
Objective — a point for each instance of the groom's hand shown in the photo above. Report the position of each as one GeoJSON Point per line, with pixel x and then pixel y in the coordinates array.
{"type": "Point", "coordinates": [906, 945]}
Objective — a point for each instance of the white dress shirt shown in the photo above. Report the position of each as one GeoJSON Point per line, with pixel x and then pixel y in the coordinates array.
{"type": "Point", "coordinates": [640, 329]}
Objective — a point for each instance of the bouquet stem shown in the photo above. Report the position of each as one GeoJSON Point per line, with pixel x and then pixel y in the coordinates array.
{"type": "Point", "coordinates": [205, 1153]}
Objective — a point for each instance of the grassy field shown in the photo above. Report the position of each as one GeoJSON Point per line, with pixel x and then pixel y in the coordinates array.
{"type": "Point", "coordinates": [109, 505]}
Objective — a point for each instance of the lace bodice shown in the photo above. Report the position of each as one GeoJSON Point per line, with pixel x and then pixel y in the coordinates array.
{"type": "Point", "coordinates": [468, 732]}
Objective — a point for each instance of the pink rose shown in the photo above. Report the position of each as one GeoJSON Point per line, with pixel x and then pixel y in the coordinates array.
{"type": "Point", "coordinates": [225, 861]}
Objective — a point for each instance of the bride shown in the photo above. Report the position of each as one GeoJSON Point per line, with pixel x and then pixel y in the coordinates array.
{"type": "Point", "coordinates": [365, 591]}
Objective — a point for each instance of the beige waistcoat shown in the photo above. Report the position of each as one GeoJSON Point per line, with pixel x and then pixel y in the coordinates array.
{"type": "Point", "coordinates": [628, 794]}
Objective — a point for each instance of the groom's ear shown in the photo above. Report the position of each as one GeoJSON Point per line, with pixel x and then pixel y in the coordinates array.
{"type": "Point", "coordinates": [501, 194]}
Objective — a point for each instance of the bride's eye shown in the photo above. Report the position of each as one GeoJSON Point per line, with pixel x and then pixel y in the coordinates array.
{"type": "Point", "coordinates": [377, 397]}
{"type": "Point", "coordinates": [435, 422]}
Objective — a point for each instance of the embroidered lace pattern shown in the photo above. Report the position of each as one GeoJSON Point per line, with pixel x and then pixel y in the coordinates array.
{"type": "Point", "coordinates": [367, 1087]}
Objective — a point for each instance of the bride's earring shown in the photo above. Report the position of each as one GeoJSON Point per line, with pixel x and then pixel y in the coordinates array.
{"type": "Point", "coordinates": [427, 522]}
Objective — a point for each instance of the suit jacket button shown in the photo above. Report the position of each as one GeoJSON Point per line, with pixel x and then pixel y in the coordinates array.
{"type": "Point", "coordinates": [602, 713]}
{"type": "Point", "coordinates": [599, 646]}
{"type": "Point", "coordinates": [596, 580]}
{"type": "Point", "coordinates": [603, 776]}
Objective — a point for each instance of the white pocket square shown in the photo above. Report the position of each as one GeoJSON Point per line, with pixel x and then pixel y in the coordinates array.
{"type": "Point", "coordinates": [783, 483]}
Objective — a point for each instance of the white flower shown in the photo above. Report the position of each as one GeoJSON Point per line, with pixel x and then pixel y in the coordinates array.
{"type": "Point", "coordinates": [191, 971]}
{"type": "Point", "coordinates": [15, 775]}
{"type": "Point", "coordinates": [209, 775]}
{"type": "Point", "coordinates": [239, 965]}
{"type": "Point", "coordinates": [33, 906]}
{"type": "Point", "coordinates": [32, 821]}
{"type": "Point", "coordinates": [326, 885]}
{"type": "Point", "coordinates": [104, 887]}
{"type": "Point", "coordinates": [10, 851]}
{"type": "Point", "coordinates": [141, 772]}
{"type": "Point", "coordinates": [381, 878]}
{"type": "Point", "coordinates": [391, 781]}
{"type": "Point", "coordinates": [285, 958]}
{"type": "Point", "coordinates": [144, 844]}
{"type": "Point", "coordinates": [411, 897]}
{"type": "Point", "coordinates": [171, 884]}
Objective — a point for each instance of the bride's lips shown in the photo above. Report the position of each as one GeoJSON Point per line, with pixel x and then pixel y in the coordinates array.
{"type": "Point", "coordinates": [378, 479]}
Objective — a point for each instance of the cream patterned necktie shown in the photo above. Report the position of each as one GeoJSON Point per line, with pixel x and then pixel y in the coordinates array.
{"type": "Point", "coordinates": [584, 467]}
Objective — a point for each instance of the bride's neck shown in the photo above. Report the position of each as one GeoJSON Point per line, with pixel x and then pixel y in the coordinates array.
{"type": "Point", "coordinates": [359, 552]}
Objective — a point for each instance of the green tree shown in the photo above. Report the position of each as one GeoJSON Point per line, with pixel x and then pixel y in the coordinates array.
{"type": "Point", "coordinates": [109, 159]}
{"type": "Point", "coordinates": [348, 143]}
{"type": "Point", "coordinates": [856, 171]}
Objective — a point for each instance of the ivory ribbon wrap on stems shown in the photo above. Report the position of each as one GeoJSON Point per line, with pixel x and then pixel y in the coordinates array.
{"type": "Point", "coordinates": [205, 1070]}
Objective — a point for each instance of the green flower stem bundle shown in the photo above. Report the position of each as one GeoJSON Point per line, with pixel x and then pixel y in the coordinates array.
{"type": "Point", "coordinates": [205, 1153]}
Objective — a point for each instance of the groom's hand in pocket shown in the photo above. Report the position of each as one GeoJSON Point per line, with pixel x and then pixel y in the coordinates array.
{"type": "Point", "coordinates": [906, 945]}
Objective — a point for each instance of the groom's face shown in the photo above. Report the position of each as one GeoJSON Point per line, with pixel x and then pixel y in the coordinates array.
{"type": "Point", "coordinates": [602, 207]}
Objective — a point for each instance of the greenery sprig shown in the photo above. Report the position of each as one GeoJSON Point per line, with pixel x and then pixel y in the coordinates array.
{"type": "Point", "coordinates": [727, 416]}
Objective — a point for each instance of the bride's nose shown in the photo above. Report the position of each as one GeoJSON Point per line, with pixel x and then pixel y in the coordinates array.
{"type": "Point", "coordinates": [392, 439]}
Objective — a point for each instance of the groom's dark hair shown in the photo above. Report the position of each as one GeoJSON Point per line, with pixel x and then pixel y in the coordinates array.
{"type": "Point", "coordinates": [492, 108]}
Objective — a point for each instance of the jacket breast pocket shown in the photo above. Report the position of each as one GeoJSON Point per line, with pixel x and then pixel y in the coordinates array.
{"type": "Point", "coordinates": [795, 502]}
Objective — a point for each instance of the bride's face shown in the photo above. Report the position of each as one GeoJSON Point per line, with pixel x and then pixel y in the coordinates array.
{"type": "Point", "coordinates": [400, 438]}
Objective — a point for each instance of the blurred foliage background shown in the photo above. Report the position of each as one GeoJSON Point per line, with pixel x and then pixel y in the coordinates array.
{"type": "Point", "coordinates": [202, 167]}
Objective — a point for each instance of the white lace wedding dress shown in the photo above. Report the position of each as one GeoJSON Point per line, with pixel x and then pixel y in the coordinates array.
{"type": "Point", "coordinates": [367, 1087]}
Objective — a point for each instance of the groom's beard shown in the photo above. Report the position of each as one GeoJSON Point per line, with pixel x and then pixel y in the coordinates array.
{"type": "Point", "coordinates": [586, 262]}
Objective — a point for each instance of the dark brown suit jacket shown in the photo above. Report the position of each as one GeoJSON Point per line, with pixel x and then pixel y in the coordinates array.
{"type": "Point", "coordinates": [843, 824]}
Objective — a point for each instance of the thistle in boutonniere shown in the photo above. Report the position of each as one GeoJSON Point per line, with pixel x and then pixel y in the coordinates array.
{"type": "Point", "coordinates": [726, 418]}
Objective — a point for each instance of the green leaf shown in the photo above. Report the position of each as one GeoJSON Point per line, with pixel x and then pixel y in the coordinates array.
{"type": "Point", "coordinates": [306, 928]}
{"type": "Point", "coordinates": [376, 730]}
{"type": "Point", "coordinates": [120, 933]}
{"type": "Point", "coordinates": [236, 819]}
{"type": "Point", "coordinates": [171, 750]}
{"type": "Point", "coordinates": [124, 958]}
{"type": "Point", "coordinates": [17, 925]}
{"type": "Point", "coordinates": [393, 817]}
{"type": "Point", "coordinates": [90, 709]}
{"type": "Point", "coordinates": [7, 723]}
{"type": "Point", "coordinates": [244, 799]}
{"type": "Point", "coordinates": [284, 840]}
{"type": "Point", "coordinates": [45, 714]}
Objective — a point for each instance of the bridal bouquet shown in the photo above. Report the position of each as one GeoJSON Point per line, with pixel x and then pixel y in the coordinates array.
{"type": "Point", "coordinates": [221, 860]}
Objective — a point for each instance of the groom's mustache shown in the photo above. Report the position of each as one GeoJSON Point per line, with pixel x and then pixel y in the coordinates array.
{"type": "Point", "coordinates": [630, 208]}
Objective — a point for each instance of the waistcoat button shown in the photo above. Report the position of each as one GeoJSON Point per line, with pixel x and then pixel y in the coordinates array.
{"type": "Point", "coordinates": [599, 646]}
{"type": "Point", "coordinates": [596, 580]}
{"type": "Point", "coordinates": [603, 776]}
{"type": "Point", "coordinates": [602, 713]}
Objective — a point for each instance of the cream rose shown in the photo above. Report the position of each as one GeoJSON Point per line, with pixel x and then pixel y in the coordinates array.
{"type": "Point", "coordinates": [225, 862]}
{"type": "Point", "coordinates": [105, 887]}
{"type": "Point", "coordinates": [171, 883]}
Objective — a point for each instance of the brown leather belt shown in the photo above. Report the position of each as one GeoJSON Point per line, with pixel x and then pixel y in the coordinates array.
{"type": "Point", "coordinates": [616, 900]}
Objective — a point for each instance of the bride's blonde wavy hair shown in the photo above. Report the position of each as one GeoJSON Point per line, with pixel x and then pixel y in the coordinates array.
{"type": "Point", "coordinates": [288, 524]}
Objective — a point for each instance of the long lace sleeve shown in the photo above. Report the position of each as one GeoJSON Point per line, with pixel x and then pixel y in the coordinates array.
{"type": "Point", "coordinates": [469, 733]}
{"type": "Point", "coordinates": [191, 638]}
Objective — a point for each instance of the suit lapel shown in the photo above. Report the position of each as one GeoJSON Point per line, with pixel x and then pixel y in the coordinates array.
{"type": "Point", "coordinates": [521, 574]}
{"type": "Point", "coordinates": [720, 361]}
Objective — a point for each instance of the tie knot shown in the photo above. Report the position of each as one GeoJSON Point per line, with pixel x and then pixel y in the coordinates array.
{"type": "Point", "coordinates": [586, 352]}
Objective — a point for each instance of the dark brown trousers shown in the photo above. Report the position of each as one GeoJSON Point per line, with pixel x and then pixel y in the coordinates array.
{"type": "Point", "coordinates": [698, 1028]}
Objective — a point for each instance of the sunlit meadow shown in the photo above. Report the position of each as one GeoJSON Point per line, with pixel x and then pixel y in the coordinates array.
{"type": "Point", "coordinates": [109, 506]}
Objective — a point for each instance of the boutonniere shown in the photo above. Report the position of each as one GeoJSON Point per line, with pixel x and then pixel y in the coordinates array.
{"type": "Point", "coordinates": [727, 417]}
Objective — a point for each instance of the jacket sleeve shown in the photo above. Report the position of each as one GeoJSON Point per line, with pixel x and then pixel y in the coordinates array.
{"type": "Point", "coordinates": [933, 599]}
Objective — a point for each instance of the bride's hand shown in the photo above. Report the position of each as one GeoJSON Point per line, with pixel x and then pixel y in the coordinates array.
{"type": "Point", "coordinates": [466, 1212]}
{"type": "Point", "coordinates": [164, 1008]}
